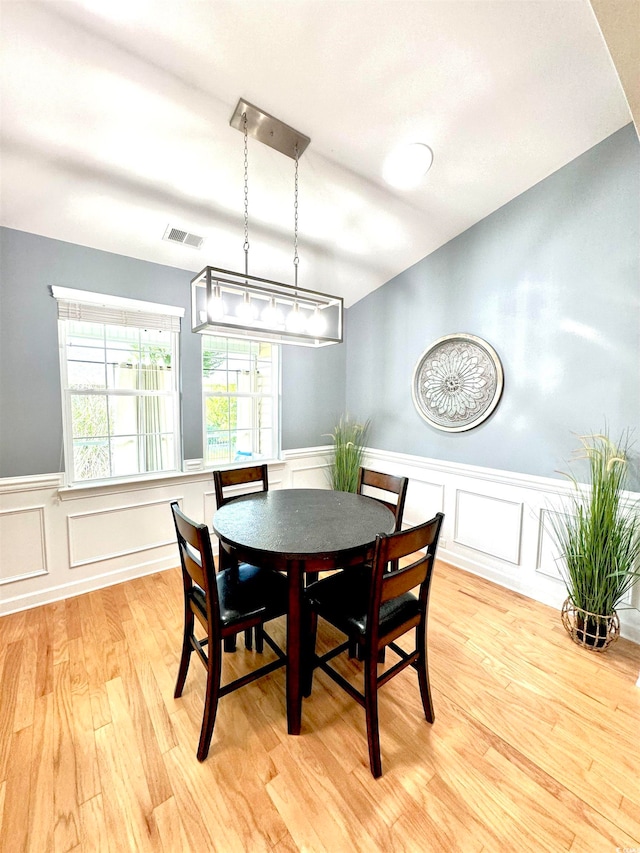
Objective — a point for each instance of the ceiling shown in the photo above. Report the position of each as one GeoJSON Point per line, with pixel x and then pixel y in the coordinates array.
{"type": "Point", "coordinates": [115, 123]}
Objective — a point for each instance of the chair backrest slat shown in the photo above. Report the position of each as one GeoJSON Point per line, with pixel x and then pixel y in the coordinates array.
{"type": "Point", "coordinates": [387, 585]}
{"type": "Point", "coordinates": [249, 475]}
{"type": "Point", "coordinates": [382, 487]}
{"type": "Point", "coordinates": [397, 582]}
{"type": "Point", "coordinates": [196, 556]}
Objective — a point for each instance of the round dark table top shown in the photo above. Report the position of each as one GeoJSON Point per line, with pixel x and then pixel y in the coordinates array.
{"type": "Point", "coordinates": [302, 523]}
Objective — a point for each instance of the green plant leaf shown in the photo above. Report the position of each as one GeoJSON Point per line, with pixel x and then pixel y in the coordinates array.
{"type": "Point", "coordinates": [599, 536]}
{"type": "Point", "coordinates": [349, 443]}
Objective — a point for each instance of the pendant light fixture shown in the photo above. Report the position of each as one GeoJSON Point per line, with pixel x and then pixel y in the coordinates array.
{"type": "Point", "coordinates": [236, 305]}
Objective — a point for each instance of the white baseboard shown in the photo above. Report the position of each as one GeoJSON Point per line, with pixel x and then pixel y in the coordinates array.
{"type": "Point", "coordinates": [70, 589]}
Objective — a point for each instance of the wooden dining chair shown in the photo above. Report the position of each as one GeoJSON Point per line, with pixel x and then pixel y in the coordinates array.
{"type": "Point", "coordinates": [374, 607]}
{"type": "Point", "coordinates": [250, 476]}
{"type": "Point", "coordinates": [391, 491]}
{"type": "Point", "coordinates": [223, 605]}
{"type": "Point", "coordinates": [386, 488]}
{"type": "Point", "coordinates": [254, 478]}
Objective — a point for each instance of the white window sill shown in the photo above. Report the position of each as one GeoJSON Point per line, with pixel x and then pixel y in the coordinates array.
{"type": "Point", "coordinates": [152, 481]}
{"type": "Point", "coordinates": [129, 484]}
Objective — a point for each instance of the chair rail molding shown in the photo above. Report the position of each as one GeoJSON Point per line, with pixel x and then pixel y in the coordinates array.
{"type": "Point", "coordinates": [496, 525]}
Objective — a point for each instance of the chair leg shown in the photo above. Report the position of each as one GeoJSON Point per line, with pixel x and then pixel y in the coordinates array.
{"type": "Point", "coordinates": [259, 630]}
{"type": "Point", "coordinates": [185, 657]}
{"type": "Point", "coordinates": [311, 627]}
{"type": "Point", "coordinates": [225, 562]}
{"type": "Point", "coordinates": [371, 709]}
{"type": "Point", "coordinates": [248, 638]}
{"type": "Point", "coordinates": [356, 651]}
{"type": "Point", "coordinates": [422, 666]}
{"type": "Point", "coordinates": [211, 700]}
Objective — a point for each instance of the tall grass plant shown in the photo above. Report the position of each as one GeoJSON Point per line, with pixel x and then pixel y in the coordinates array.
{"type": "Point", "coordinates": [349, 444]}
{"type": "Point", "coordinates": [599, 536]}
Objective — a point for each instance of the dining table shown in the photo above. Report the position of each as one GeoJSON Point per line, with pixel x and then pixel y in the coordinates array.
{"type": "Point", "coordinates": [301, 532]}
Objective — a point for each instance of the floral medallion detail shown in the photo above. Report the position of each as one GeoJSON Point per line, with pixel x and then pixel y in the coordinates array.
{"type": "Point", "coordinates": [457, 382]}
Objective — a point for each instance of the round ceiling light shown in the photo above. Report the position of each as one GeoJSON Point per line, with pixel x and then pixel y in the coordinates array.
{"type": "Point", "coordinates": [406, 165]}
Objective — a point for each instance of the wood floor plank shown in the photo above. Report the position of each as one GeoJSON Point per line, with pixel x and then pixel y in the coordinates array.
{"type": "Point", "coordinates": [3, 791]}
{"type": "Point", "coordinates": [125, 789]}
{"type": "Point", "coordinates": [12, 628]}
{"type": "Point", "coordinates": [200, 834]}
{"type": "Point", "coordinates": [26, 688]}
{"type": "Point", "coordinates": [311, 826]}
{"type": "Point", "coordinates": [190, 778]}
{"type": "Point", "coordinates": [9, 682]}
{"type": "Point", "coordinates": [60, 638]}
{"type": "Point", "coordinates": [41, 812]}
{"type": "Point", "coordinates": [145, 645]}
{"type": "Point", "coordinates": [66, 830]}
{"type": "Point", "coordinates": [170, 828]}
{"type": "Point", "coordinates": [15, 830]}
{"type": "Point", "coordinates": [94, 663]}
{"type": "Point", "coordinates": [94, 836]}
{"type": "Point", "coordinates": [127, 806]}
{"type": "Point", "coordinates": [361, 808]}
{"type": "Point", "coordinates": [142, 734]}
{"type": "Point", "coordinates": [153, 702]}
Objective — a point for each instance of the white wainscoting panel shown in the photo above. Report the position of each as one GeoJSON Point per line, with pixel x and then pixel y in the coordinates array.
{"type": "Point", "coordinates": [307, 469]}
{"type": "Point", "coordinates": [488, 524]}
{"type": "Point", "coordinates": [547, 563]}
{"type": "Point", "coordinates": [103, 534]}
{"type": "Point", "coordinates": [209, 509]}
{"type": "Point", "coordinates": [424, 500]}
{"type": "Point", "coordinates": [310, 477]}
{"type": "Point", "coordinates": [23, 551]}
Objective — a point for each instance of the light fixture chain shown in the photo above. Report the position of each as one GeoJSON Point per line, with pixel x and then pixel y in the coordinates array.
{"type": "Point", "coordinates": [296, 259]}
{"type": "Point", "coordinates": [246, 196]}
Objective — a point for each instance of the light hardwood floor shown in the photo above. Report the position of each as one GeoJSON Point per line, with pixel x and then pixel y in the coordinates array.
{"type": "Point", "coordinates": [535, 746]}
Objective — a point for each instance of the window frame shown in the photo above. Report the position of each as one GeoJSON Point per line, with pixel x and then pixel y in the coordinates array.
{"type": "Point", "coordinates": [274, 395]}
{"type": "Point", "coordinates": [100, 308]}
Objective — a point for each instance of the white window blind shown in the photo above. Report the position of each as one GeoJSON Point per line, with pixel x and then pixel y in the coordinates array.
{"type": "Point", "coordinates": [116, 310]}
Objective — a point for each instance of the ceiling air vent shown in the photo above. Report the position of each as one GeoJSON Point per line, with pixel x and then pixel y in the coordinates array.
{"type": "Point", "coordinates": [177, 235]}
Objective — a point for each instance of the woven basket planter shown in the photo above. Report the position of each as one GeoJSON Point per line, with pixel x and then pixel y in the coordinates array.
{"type": "Point", "coordinates": [590, 630]}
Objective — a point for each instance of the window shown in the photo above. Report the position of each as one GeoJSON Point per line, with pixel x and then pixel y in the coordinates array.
{"type": "Point", "coordinates": [119, 371]}
{"type": "Point", "coordinates": [240, 383]}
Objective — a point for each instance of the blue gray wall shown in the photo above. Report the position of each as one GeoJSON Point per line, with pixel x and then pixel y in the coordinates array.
{"type": "Point", "coordinates": [552, 281]}
{"type": "Point", "coordinates": [313, 381]}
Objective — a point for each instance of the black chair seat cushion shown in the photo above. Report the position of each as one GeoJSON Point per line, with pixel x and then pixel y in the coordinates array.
{"type": "Point", "coordinates": [343, 600]}
{"type": "Point", "coordinates": [251, 592]}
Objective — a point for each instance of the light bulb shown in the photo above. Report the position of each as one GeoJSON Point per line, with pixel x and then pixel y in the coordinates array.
{"type": "Point", "coordinates": [216, 305]}
{"type": "Point", "coordinates": [295, 319]}
{"type": "Point", "coordinates": [272, 316]}
{"type": "Point", "coordinates": [245, 309]}
{"type": "Point", "coordinates": [316, 324]}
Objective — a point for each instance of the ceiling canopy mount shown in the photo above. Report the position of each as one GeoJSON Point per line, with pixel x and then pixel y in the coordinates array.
{"type": "Point", "coordinates": [269, 130]}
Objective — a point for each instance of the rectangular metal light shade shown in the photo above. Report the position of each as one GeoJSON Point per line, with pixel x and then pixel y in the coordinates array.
{"type": "Point", "coordinates": [234, 305]}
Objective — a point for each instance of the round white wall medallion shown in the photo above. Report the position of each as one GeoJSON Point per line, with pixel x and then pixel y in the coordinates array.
{"type": "Point", "coordinates": [457, 382]}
